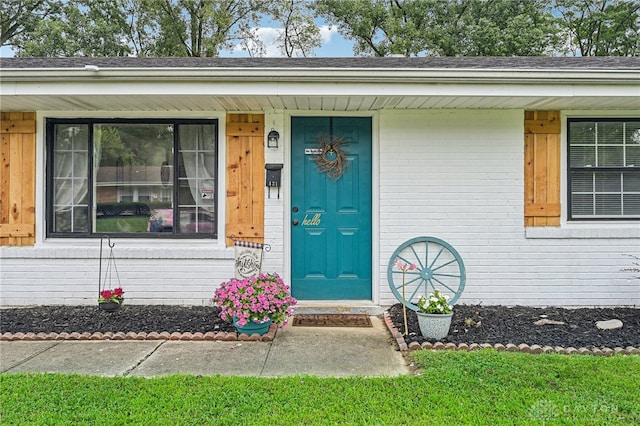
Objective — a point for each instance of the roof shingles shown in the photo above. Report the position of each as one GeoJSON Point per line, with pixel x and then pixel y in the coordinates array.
{"type": "Point", "coordinates": [479, 62]}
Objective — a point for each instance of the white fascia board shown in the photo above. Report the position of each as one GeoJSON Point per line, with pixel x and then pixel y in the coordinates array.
{"type": "Point", "coordinates": [326, 74]}
{"type": "Point", "coordinates": [334, 88]}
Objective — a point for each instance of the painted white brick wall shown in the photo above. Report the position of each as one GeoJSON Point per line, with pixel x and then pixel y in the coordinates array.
{"type": "Point", "coordinates": [175, 273]}
{"type": "Point", "coordinates": [273, 260]}
{"type": "Point", "coordinates": [452, 174]}
{"type": "Point", "coordinates": [458, 176]}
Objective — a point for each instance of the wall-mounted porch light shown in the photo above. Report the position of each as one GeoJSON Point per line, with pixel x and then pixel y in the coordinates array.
{"type": "Point", "coordinates": [272, 139]}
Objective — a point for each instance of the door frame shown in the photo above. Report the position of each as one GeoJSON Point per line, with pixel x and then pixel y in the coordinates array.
{"type": "Point", "coordinates": [376, 267]}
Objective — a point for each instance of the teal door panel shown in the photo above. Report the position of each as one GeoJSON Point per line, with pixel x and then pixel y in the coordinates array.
{"type": "Point", "coordinates": [331, 218]}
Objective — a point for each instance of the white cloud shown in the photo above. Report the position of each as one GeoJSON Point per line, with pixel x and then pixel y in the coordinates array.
{"type": "Point", "coordinates": [269, 36]}
{"type": "Point", "coordinates": [327, 32]}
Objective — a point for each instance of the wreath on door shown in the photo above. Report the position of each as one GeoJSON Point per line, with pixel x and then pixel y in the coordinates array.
{"type": "Point", "coordinates": [332, 158]}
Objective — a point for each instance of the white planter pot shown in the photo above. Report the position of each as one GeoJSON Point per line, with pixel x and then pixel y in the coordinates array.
{"type": "Point", "coordinates": [434, 326]}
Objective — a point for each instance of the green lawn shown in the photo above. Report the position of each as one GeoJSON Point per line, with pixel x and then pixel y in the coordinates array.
{"type": "Point", "coordinates": [484, 387]}
{"type": "Point", "coordinates": [122, 224]}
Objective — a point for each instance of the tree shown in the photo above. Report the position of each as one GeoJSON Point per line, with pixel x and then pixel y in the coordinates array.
{"type": "Point", "coordinates": [601, 27]}
{"type": "Point", "coordinates": [78, 28]}
{"type": "Point", "coordinates": [444, 28]}
{"type": "Point", "coordinates": [20, 16]}
{"type": "Point", "coordinates": [201, 28]}
{"type": "Point", "coordinates": [378, 27]}
{"type": "Point", "coordinates": [509, 28]}
{"type": "Point", "coordinates": [141, 27]}
{"type": "Point", "coordinates": [299, 35]}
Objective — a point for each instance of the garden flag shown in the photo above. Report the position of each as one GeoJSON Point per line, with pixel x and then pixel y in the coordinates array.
{"type": "Point", "coordinates": [248, 259]}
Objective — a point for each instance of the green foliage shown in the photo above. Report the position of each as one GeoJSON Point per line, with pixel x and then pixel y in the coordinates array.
{"type": "Point", "coordinates": [436, 303]}
{"type": "Point", "coordinates": [78, 28]}
{"type": "Point", "coordinates": [199, 28]}
{"type": "Point", "coordinates": [134, 144]}
{"type": "Point", "coordinates": [22, 16]}
{"type": "Point", "coordinates": [378, 27]}
{"type": "Point", "coordinates": [601, 27]}
{"type": "Point", "coordinates": [451, 28]}
{"type": "Point", "coordinates": [483, 387]}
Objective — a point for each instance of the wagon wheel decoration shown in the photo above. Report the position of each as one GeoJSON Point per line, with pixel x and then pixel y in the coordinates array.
{"type": "Point", "coordinates": [438, 267]}
{"type": "Point", "coordinates": [331, 158]}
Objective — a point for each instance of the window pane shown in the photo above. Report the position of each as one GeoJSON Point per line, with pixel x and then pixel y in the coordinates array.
{"type": "Point", "coordinates": [608, 204]}
{"type": "Point", "coordinates": [194, 220]}
{"type": "Point", "coordinates": [133, 175]}
{"type": "Point", "coordinates": [582, 133]}
{"type": "Point", "coordinates": [631, 182]}
{"type": "Point", "coordinates": [632, 204]}
{"type": "Point", "coordinates": [581, 182]}
{"type": "Point", "coordinates": [597, 145]}
{"type": "Point", "coordinates": [610, 156]}
{"type": "Point", "coordinates": [607, 182]}
{"type": "Point", "coordinates": [70, 170]}
{"type": "Point", "coordinates": [583, 156]}
{"type": "Point", "coordinates": [633, 156]}
{"type": "Point", "coordinates": [610, 133]}
{"type": "Point", "coordinates": [81, 219]}
{"type": "Point", "coordinates": [62, 219]}
{"type": "Point", "coordinates": [632, 133]}
{"type": "Point", "coordinates": [582, 204]}
{"type": "Point", "coordinates": [196, 178]}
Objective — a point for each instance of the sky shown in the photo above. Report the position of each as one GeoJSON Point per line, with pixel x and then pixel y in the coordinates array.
{"type": "Point", "coordinates": [333, 44]}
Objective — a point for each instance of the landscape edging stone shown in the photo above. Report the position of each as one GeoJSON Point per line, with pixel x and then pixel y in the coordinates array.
{"type": "Point", "coordinates": [510, 347]}
{"type": "Point", "coordinates": [187, 336]}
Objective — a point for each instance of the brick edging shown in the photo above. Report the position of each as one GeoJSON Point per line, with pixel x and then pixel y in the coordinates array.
{"type": "Point", "coordinates": [164, 335]}
{"type": "Point", "coordinates": [510, 347]}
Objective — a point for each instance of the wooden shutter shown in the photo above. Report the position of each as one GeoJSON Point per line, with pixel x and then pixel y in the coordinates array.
{"type": "Point", "coordinates": [542, 168]}
{"type": "Point", "coordinates": [17, 178]}
{"type": "Point", "coordinates": [245, 178]}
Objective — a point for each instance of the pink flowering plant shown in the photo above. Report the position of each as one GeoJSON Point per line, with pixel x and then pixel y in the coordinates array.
{"type": "Point", "coordinates": [259, 299]}
{"type": "Point", "coordinates": [115, 295]}
{"type": "Point", "coordinates": [404, 267]}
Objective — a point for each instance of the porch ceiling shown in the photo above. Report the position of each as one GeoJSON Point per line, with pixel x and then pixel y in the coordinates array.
{"type": "Point", "coordinates": [87, 102]}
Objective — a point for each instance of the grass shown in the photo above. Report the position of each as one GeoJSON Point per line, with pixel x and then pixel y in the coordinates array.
{"type": "Point", "coordinates": [122, 224]}
{"type": "Point", "coordinates": [484, 387]}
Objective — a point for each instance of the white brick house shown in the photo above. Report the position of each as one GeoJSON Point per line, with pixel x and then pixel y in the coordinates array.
{"type": "Point", "coordinates": [529, 167]}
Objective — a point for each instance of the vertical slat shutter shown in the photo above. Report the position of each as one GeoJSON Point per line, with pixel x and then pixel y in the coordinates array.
{"type": "Point", "coordinates": [17, 178]}
{"type": "Point", "coordinates": [542, 168]}
{"type": "Point", "coordinates": [245, 177]}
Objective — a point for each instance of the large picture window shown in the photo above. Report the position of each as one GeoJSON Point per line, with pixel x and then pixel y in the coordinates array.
{"type": "Point", "coordinates": [604, 168]}
{"type": "Point", "coordinates": [149, 178]}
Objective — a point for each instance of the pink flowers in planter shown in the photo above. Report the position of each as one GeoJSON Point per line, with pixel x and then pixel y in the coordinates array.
{"type": "Point", "coordinates": [114, 295]}
{"type": "Point", "coordinates": [259, 299]}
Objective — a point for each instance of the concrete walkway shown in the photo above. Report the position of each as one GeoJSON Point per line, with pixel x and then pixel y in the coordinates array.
{"type": "Point", "coordinates": [316, 351]}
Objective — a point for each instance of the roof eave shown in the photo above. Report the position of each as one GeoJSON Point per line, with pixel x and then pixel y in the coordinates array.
{"type": "Point", "coordinates": [433, 75]}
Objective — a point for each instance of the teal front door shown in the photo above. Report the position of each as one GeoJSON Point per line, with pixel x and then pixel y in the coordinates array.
{"type": "Point", "coordinates": [331, 208]}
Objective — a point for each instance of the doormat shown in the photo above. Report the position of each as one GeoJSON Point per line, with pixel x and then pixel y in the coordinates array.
{"type": "Point", "coordinates": [332, 320]}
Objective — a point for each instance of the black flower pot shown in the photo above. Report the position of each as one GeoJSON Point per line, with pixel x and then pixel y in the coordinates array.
{"type": "Point", "coordinates": [110, 305]}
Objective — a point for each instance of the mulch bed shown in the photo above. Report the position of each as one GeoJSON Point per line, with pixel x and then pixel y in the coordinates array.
{"type": "Point", "coordinates": [471, 324]}
{"type": "Point", "coordinates": [129, 318]}
{"type": "Point", "coordinates": [515, 325]}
